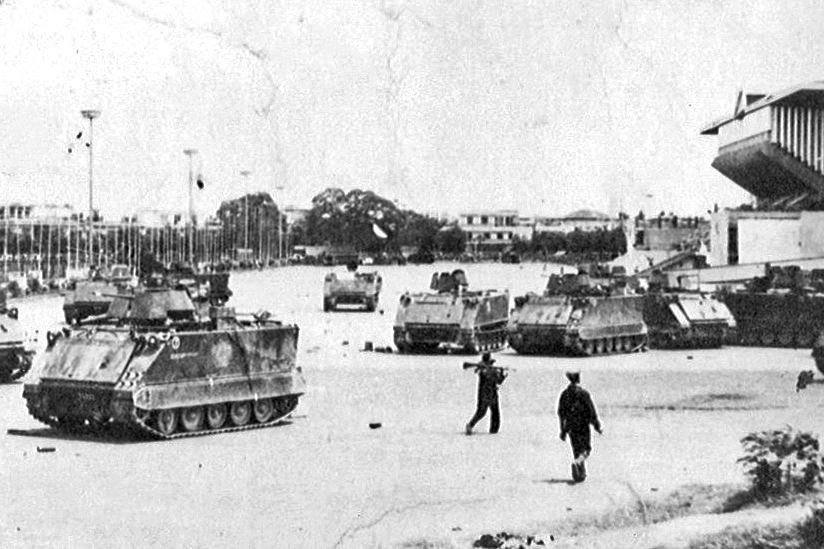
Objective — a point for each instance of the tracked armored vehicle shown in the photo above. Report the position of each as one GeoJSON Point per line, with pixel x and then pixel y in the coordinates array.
{"type": "Point", "coordinates": [580, 315]}
{"type": "Point", "coordinates": [361, 289]}
{"type": "Point", "coordinates": [451, 318]}
{"type": "Point", "coordinates": [685, 319]}
{"type": "Point", "coordinates": [157, 367]}
{"type": "Point", "coordinates": [15, 349]}
{"type": "Point", "coordinates": [93, 297]}
{"type": "Point", "coordinates": [785, 308]}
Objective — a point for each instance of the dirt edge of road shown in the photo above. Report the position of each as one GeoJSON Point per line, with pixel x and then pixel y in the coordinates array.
{"type": "Point", "coordinates": [696, 516]}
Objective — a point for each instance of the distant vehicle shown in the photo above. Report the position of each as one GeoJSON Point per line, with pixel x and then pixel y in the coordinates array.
{"type": "Point", "coordinates": [785, 308]}
{"type": "Point", "coordinates": [93, 297]}
{"type": "Point", "coordinates": [685, 319]}
{"type": "Point", "coordinates": [451, 318]}
{"type": "Point", "coordinates": [16, 352]}
{"type": "Point", "coordinates": [156, 366]}
{"type": "Point", "coordinates": [362, 289]}
{"type": "Point", "coordinates": [510, 257]}
{"type": "Point", "coordinates": [589, 313]}
{"type": "Point", "coordinates": [421, 257]}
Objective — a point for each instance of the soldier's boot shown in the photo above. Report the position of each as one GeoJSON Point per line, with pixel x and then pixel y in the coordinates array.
{"type": "Point", "coordinates": [579, 470]}
{"type": "Point", "coordinates": [468, 429]}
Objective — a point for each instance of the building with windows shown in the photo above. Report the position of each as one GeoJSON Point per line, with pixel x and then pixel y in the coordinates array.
{"type": "Point", "coordinates": [489, 229]}
{"type": "Point", "coordinates": [36, 212]}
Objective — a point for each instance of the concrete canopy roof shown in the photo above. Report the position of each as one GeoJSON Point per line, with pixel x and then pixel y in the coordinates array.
{"type": "Point", "coordinates": [811, 94]}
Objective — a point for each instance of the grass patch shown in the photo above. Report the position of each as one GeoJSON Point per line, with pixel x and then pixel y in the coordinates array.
{"type": "Point", "coordinates": [688, 500]}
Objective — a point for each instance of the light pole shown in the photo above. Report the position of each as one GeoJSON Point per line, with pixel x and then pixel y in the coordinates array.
{"type": "Point", "coordinates": [191, 224]}
{"type": "Point", "coordinates": [280, 188]}
{"type": "Point", "coordinates": [91, 114]}
{"type": "Point", "coordinates": [245, 174]}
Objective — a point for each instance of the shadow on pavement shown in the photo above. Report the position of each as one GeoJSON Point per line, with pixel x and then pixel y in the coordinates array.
{"type": "Point", "coordinates": [54, 434]}
{"type": "Point", "coordinates": [558, 481]}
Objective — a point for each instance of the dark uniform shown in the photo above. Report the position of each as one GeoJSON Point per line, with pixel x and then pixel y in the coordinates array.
{"type": "Point", "coordinates": [489, 378]}
{"type": "Point", "coordinates": [576, 413]}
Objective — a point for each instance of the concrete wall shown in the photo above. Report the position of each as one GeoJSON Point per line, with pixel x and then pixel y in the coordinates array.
{"type": "Point", "coordinates": [719, 238]}
{"type": "Point", "coordinates": [761, 240]}
{"type": "Point", "coordinates": [812, 234]}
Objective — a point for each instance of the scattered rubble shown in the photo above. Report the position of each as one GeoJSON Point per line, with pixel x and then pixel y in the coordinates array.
{"type": "Point", "coordinates": [503, 540]}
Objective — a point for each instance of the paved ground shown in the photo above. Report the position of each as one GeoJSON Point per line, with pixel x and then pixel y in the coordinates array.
{"type": "Point", "coordinates": [327, 480]}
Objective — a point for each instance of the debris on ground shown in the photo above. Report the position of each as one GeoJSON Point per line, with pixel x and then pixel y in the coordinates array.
{"type": "Point", "coordinates": [503, 540]}
{"type": "Point", "coordinates": [375, 425]}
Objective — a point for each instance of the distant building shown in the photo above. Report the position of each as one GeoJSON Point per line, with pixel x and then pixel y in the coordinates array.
{"type": "Point", "coordinates": [489, 229]}
{"type": "Point", "coordinates": [158, 218]}
{"type": "Point", "coordinates": [294, 214]}
{"type": "Point", "coordinates": [670, 232]}
{"type": "Point", "coordinates": [581, 220]}
{"type": "Point", "coordinates": [36, 212]}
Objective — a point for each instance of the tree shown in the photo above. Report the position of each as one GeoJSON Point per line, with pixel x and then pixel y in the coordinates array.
{"type": "Point", "coordinates": [360, 219]}
{"type": "Point", "coordinates": [451, 240]}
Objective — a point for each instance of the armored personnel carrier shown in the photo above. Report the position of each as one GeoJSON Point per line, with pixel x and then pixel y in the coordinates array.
{"type": "Point", "coordinates": [451, 318]}
{"type": "Point", "coordinates": [580, 314]}
{"type": "Point", "coordinates": [154, 365]}
{"type": "Point", "coordinates": [685, 319]}
{"type": "Point", "coordinates": [15, 351]}
{"type": "Point", "coordinates": [362, 289]}
{"type": "Point", "coordinates": [93, 297]}
{"type": "Point", "coordinates": [785, 308]}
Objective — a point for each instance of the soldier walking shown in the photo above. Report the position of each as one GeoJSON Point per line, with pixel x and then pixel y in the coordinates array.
{"type": "Point", "coordinates": [489, 377]}
{"type": "Point", "coordinates": [576, 413]}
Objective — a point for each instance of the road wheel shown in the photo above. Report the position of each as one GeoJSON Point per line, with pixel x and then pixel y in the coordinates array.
{"type": "Point", "coordinates": [785, 338]}
{"type": "Point", "coordinates": [166, 421]}
{"type": "Point", "coordinates": [263, 410]}
{"type": "Point", "coordinates": [216, 416]}
{"type": "Point", "coordinates": [600, 346]}
{"type": "Point", "coordinates": [240, 413]}
{"type": "Point", "coordinates": [192, 419]}
{"type": "Point", "coordinates": [767, 338]}
{"type": "Point", "coordinates": [588, 347]}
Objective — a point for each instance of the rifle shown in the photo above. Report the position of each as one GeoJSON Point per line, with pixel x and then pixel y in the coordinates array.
{"type": "Point", "coordinates": [478, 365]}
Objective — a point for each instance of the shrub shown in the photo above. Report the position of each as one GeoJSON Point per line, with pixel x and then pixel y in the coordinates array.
{"type": "Point", "coordinates": [811, 531]}
{"type": "Point", "coordinates": [782, 461]}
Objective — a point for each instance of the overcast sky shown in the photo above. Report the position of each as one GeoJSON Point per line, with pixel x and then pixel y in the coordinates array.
{"type": "Point", "coordinates": [541, 106]}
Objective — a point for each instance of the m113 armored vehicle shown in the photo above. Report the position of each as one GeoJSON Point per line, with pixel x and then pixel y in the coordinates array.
{"type": "Point", "coordinates": [93, 297]}
{"type": "Point", "coordinates": [584, 314]}
{"type": "Point", "coordinates": [685, 319]}
{"type": "Point", "coordinates": [451, 318]}
{"type": "Point", "coordinates": [354, 288]}
{"type": "Point", "coordinates": [158, 367]}
{"type": "Point", "coordinates": [16, 351]}
{"type": "Point", "coordinates": [785, 308]}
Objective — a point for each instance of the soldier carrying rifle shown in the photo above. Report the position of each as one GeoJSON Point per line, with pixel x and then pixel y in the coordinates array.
{"type": "Point", "coordinates": [489, 377]}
